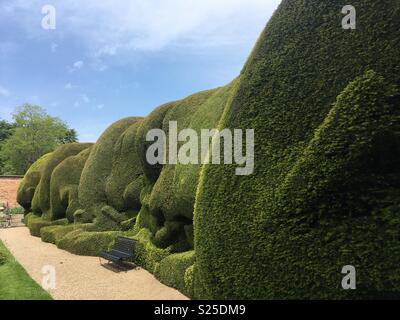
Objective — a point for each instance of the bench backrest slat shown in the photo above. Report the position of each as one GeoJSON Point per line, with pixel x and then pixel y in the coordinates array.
{"type": "Point", "coordinates": [124, 245]}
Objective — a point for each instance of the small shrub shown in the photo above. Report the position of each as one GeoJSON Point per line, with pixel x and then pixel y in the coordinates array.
{"type": "Point", "coordinates": [171, 270]}
{"type": "Point", "coordinates": [28, 217]}
{"type": "Point", "coordinates": [17, 210]}
{"type": "Point", "coordinates": [146, 254]}
{"type": "Point", "coordinates": [88, 243]}
{"type": "Point", "coordinates": [36, 224]}
{"type": "Point", "coordinates": [53, 234]}
{"type": "Point", "coordinates": [189, 281]}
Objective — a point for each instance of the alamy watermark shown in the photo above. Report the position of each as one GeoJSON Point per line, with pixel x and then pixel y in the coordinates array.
{"type": "Point", "coordinates": [349, 280]}
{"type": "Point", "coordinates": [49, 20]}
{"type": "Point", "coordinates": [49, 277]}
{"type": "Point", "coordinates": [196, 150]}
{"type": "Point", "coordinates": [349, 21]}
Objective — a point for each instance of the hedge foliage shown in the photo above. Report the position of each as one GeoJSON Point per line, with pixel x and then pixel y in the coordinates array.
{"type": "Point", "coordinates": [125, 181]}
{"type": "Point", "coordinates": [324, 104]}
{"type": "Point", "coordinates": [64, 186]}
{"type": "Point", "coordinates": [85, 243]}
{"type": "Point", "coordinates": [172, 271]}
{"type": "Point", "coordinates": [53, 234]}
{"type": "Point", "coordinates": [92, 187]}
{"type": "Point", "coordinates": [29, 183]}
{"type": "Point", "coordinates": [41, 199]}
{"type": "Point", "coordinates": [247, 245]}
{"type": "Point", "coordinates": [36, 224]}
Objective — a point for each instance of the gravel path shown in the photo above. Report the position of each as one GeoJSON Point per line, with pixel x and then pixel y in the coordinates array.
{"type": "Point", "coordinates": [82, 278]}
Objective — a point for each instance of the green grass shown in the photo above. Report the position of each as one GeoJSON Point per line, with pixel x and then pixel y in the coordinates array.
{"type": "Point", "coordinates": [15, 283]}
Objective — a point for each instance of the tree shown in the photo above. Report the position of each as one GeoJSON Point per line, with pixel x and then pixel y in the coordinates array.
{"type": "Point", "coordinates": [70, 136]}
{"type": "Point", "coordinates": [36, 133]}
{"type": "Point", "coordinates": [6, 131]}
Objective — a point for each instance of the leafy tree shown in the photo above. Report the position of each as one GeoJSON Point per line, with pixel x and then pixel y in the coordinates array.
{"type": "Point", "coordinates": [6, 130]}
{"type": "Point", "coordinates": [70, 136]}
{"type": "Point", "coordinates": [36, 133]}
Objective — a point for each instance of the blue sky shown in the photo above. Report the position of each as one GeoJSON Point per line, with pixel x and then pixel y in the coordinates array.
{"type": "Point", "coordinates": [111, 59]}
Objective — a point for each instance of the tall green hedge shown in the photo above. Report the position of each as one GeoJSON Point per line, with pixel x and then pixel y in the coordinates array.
{"type": "Point", "coordinates": [126, 179]}
{"type": "Point", "coordinates": [41, 201]}
{"type": "Point", "coordinates": [170, 193]}
{"type": "Point", "coordinates": [324, 104]}
{"type": "Point", "coordinates": [338, 204]}
{"type": "Point", "coordinates": [92, 187]}
{"type": "Point", "coordinates": [64, 186]}
{"type": "Point", "coordinates": [28, 185]}
{"type": "Point", "coordinates": [301, 63]}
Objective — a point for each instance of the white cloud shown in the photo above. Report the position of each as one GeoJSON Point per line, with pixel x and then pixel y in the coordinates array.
{"type": "Point", "coordinates": [69, 86]}
{"type": "Point", "coordinates": [4, 92]}
{"type": "Point", "coordinates": [109, 27]}
{"type": "Point", "coordinates": [107, 51]}
{"type": "Point", "coordinates": [85, 98]}
{"type": "Point", "coordinates": [76, 66]}
{"type": "Point", "coordinates": [54, 47]}
{"type": "Point", "coordinates": [98, 65]}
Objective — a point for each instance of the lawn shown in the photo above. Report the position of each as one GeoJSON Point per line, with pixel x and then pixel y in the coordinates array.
{"type": "Point", "coordinates": [15, 283]}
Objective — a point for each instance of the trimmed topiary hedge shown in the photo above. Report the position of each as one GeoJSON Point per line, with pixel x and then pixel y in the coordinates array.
{"type": "Point", "coordinates": [92, 187]}
{"type": "Point", "coordinates": [85, 243]}
{"type": "Point", "coordinates": [324, 104]}
{"type": "Point", "coordinates": [301, 63]}
{"type": "Point", "coordinates": [53, 234]}
{"type": "Point", "coordinates": [28, 217]}
{"type": "Point", "coordinates": [125, 179]}
{"type": "Point", "coordinates": [172, 271]}
{"type": "Point", "coordinates": [64, 186]}
{"type": "Point", "coordinates": [29, 183]}
{"type": "Point", "coordinates": [41, 200]}
{"type": "Point", "coordinates": [340, 197]}
{"type": "Point", "coordinates": [36, 224]}
{"type": "Point", "coordinates": [146, 254]}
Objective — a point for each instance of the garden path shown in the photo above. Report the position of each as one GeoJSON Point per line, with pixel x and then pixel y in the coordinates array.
{"type": "Point", "coordinates": [81, 278]}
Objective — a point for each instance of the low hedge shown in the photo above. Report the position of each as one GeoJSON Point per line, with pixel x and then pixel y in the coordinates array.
{"type": "Point", "coordinates": [172, 270]}
{"type": "Point", "coordinates": [85, 243]}
{"type": "Point", "coordinates": [30, 216]}
{"type": "Point", "coordinates": [53, 234]}
{"type": "Point", "coordinates": [146, 254]}
{"type": "Point", "coordinates": [36, 224]}
{"type": "Point", "coordinates": [189, 280]}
